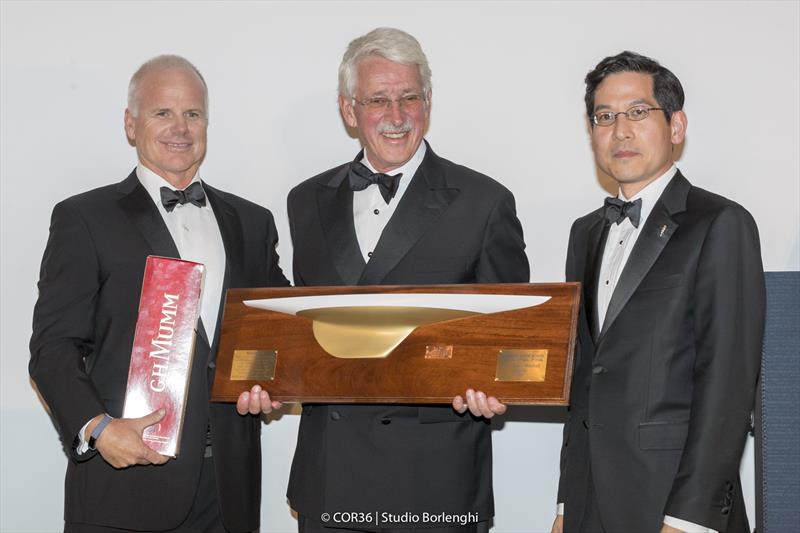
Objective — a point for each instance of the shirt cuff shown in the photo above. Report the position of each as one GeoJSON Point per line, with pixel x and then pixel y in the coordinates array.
{"type": "Point", "coordinates": [688, 527]}
{"type": "Point", "coordinates": [560, 509]}
{"type": "Point", "coordinates": [83, 444]}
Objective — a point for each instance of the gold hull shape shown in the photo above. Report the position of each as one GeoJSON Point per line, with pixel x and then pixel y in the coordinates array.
{"type": "Point", "coordinates": [351, 326]}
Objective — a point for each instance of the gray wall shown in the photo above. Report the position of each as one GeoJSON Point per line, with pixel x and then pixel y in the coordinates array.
{"type": "Point", "coordinates": [508, 89]}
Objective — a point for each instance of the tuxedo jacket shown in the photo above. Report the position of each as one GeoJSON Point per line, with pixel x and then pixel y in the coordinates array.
{"type": "Point", "coordinates": [83, 329]}
{"type": "Point", "coordinates": [662, 394]}
{"type": "Point", "coordinates": [452, 225]}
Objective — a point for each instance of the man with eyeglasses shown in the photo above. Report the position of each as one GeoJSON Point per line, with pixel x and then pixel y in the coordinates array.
{"type": "Point", "coordinates": [670, 326]}
{"type": "Point", "coordinates": [398, 214]}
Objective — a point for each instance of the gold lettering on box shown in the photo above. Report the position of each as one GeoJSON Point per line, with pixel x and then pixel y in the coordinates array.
{"type": "Point", "coordinates": [439, 351]}
{"type": "Point", "coordinates": [521, 365]}
{"type": "Point", "coordinates": [253, 365]}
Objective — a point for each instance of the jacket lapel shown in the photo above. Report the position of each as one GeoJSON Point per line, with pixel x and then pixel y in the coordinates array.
{"type": "Point", "coordinates": [656, 233]}
{"type": "Point", "coordinates": [596, 241]}
{"type": "Point", "coordinates": [230, 227]}
{"type": "Point", "coordinates": [426, 198]}
{"type": "Point", "coordinates": [139, 207]}
{"type": "Point", "coordinates": [335, 205]}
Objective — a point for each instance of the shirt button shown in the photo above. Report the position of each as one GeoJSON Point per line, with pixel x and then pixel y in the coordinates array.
{"type": "Point", "coordinates": [377, 212]}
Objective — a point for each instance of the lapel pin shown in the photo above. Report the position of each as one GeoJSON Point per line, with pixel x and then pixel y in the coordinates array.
{"type": "Point", "coordinates": [663, 229]}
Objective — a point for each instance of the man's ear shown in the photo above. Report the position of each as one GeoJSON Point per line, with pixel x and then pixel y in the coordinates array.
{"type": "Point", "coordinates": [347, 110]}
{"type": "Point", "coordinates": [678, 124]}
{"type": "Point", "coordinates": [130, 129]}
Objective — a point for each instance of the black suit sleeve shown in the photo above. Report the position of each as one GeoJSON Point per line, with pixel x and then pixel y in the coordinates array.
{"type": "Point", "coordinates": [275, 277]}
{"type": "Point", "coordinates": [63, 325]}
{"type": "Point", "coordinates": [503, 258]}
{"type": "Point", "coordinates": [728, 328]}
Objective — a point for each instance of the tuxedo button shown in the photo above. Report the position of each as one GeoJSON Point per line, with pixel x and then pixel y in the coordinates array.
{"type": "Point", "coordinates": [586, 424]}
{"type": "Point", "coordinates": [377, 212]}
{"type": "Point", "coordinates": [335, 415]}
{"type": "Point", "coordinates": [386, 421]}
{"type": "Point", "coordinates": [725, 510]}
{"type": "Point", "coordinates": [212, 364]}
{"type": "Point", "coordinates": [369, 254]}
{"type": "Point", "coordinates": [599, 370]}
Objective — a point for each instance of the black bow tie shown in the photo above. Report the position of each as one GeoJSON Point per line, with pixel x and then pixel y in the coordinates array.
{"type": "Point", "coordinates": [616, 211]}
{"type": "Point", "coordinates": [193, 194]}
{"type": "Point", "coordinates": [361, 177]}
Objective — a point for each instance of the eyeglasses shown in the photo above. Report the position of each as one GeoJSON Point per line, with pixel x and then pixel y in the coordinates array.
{"type": "Point", "coordinates": [635, 113]}
{"type": "Point", "coordinates": [409, 102]}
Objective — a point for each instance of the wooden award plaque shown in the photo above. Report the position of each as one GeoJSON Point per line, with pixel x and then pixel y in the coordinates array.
{"type": "Point", "coordinates": [390, 353]}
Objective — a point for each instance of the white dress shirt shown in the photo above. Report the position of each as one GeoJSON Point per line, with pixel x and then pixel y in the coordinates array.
{"type": "Point", "coordinates": [197, 237]}
{"type": "Point", "coordinates": [621, 239]}
{"type": "Point", "coordinates": [371, 213]}
{"type": "Point", "coordinates": [619, 244]}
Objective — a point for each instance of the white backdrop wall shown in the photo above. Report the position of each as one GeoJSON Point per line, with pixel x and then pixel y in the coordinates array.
{"type": "Point", "coordinates": [508, 89]}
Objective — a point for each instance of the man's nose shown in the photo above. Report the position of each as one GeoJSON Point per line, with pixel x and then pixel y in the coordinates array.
{"type": "Point", "coordinates": [622, 127]}
{"type": "Point", "coordinates": [395, 112]}
{"type": "Point", "coordinates": [180, 124]}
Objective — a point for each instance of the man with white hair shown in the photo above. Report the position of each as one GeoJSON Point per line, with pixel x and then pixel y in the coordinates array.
{"type": "Point", "coordinates": [85, 317]}
{"type": "Point", "coordinates": [398, 214]}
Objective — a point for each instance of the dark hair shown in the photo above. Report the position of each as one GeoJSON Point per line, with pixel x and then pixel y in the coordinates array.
{"type": "Point", "coordinates": [667, 87]}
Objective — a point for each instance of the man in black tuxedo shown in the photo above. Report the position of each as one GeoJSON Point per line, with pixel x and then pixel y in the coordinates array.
{"type": "Point", "coordinates": [84, 321]}
{"type": "Point", "coordinates": [670, 327]}
{"type": "Point", "coordinates": [397, 214]}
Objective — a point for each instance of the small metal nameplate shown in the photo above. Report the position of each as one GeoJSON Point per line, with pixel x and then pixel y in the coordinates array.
{"type": "Point", "coordinates": [521, 365]}
{"type": "Point", "coordinates": [439, 351]}
{"type": "Point", "coordinates": [253, 365]}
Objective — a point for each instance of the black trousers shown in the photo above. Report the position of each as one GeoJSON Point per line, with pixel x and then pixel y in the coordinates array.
{"type": "Point", "coordinates": [204, 516]}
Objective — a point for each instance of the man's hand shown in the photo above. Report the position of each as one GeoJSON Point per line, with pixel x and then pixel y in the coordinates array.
{"type": "Point", "coordinates": [256, 401]}
{"type": "Point", "coordinates": [669, 529]}
{"type": "Point", "coordinates": [478, 404]}
{"type": "Point", "coordinates": [121, 444]}
{"type": "Point", "coordinates": [558, 524]}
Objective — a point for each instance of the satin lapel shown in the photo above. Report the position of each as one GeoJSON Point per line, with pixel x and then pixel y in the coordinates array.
{"type": "Point", "coordinates": [657, 231]}
{"type": "Point", "coordinates": [230, 227]}
{"type": "Point", "coordinates": [426, 198]}
{"type": "Point", "coordinates": [335, 204]}
{"type": "Point", "coordinates": [596, 241]}
{"type": "Point", "coordinates": [139, 207]}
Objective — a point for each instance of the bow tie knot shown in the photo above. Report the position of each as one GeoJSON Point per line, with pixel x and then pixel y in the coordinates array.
{"type": "Point", "coordinates": [616, 211]}
{"type": "Point", "coordinates": [192, 194]}
{"type": "Point", "coordinates": [361, 177]}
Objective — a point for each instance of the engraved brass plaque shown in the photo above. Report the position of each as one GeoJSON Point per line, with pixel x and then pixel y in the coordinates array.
{"type": "Point", "coordinates": [521, 365]}
{"type": "Point", "coordinates": [253, 365]}
{"type": "Point", "coordinates": [439, 351]}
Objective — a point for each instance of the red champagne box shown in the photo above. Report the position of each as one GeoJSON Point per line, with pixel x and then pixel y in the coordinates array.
{"type": "Point", "coordinates": [163, 346]}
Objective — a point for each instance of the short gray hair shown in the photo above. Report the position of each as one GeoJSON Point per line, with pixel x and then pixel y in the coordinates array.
{"type": "Point", "coordinates": [162, 62]}
{"type": "Point", "coordinates": [389, 43]}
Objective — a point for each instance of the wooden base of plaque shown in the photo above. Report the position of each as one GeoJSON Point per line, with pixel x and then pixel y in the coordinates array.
{"type": "Point", "coordinates": [522, 356]}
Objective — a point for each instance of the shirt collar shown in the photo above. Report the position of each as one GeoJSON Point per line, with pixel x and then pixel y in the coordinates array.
{"type": "Point", "coordinates": [152, 183]}
{"type": "Point", "coordinates": [651, 193]}
{"type": "Point", "coordinates": [408, 169]}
